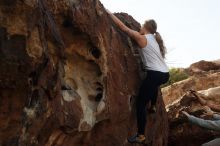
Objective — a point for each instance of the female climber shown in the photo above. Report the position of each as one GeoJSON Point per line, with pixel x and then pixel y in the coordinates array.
{"type": "Point", "coordinates": [152, 52]}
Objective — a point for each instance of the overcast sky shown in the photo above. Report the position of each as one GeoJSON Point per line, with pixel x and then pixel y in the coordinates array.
{"type": "Point", "coordinates": [190, 28]}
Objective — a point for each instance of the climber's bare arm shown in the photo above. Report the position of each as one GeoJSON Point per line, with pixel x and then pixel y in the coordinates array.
{"type": "Point", "coordinates": [140, 39]}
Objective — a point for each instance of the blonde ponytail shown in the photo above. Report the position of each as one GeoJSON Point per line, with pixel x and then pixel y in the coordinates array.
{"type": "Point", "coordinates": [161, 44]}
{"type": "Point", "coordinates": [151, 26]}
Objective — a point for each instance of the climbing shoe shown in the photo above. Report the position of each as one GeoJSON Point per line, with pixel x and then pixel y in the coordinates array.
{"type": "Point", "coordinates": [137, 138]}
{"type": "Point", "coordinates": [152, 109]}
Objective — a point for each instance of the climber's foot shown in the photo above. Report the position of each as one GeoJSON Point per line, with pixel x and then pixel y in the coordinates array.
{"type": "Point", "coordinates": [152, 109]}
{"type": "Point", "coordinates": [137, 138]}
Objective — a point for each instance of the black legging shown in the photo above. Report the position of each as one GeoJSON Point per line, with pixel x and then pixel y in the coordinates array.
{"type": "Point", "coordinates": [148, 92]}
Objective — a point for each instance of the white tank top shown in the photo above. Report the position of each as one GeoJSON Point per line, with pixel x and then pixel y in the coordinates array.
{"type": "Point", "coordinates": [151, 56]}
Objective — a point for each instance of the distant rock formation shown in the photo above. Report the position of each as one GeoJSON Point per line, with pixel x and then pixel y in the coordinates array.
{"type": "Point", "coordinates": [217, 61]}
{"type": "Point", "coordinates": [196, 82]}
{"type": "Point", "coordinates": [202, 75]}
{"type": "Point", "coordinates": [203, 66]}
{"type": "Point", "coordinates": [69, 77]}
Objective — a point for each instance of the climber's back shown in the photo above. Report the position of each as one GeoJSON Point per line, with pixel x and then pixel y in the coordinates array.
{"type": "Point", "coordinates": [151, 55]}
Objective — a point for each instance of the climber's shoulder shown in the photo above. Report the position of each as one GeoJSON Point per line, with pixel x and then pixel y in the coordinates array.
{"type": "Point", "coordinates": [139, 38]}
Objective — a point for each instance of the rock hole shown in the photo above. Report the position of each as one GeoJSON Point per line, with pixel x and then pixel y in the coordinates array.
{"type": "Point", "coordinates": [131, 98]}
{"type": "Point", "coordinates": [98, 84]}
{"type": "Point", "coordinates": [33, 99]}
{"type": "Point", "coordinates": [99, 89]}
{"type": "Point", "coordinates": [65, 87]}
{"type": "Point", "coordinates": [94, 51]}
{"type": "Point", "coordinates": [33, 78]}
{"type": "Point", "coordinates": [98, 97]}
{"type": "Point", "coordinates": [131, 102]}
{"type": "Point", "coordinates": [67, 23]}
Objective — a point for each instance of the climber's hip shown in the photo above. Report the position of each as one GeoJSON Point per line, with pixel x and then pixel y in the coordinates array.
{"type": "Point", "coordinates": [157, 77]}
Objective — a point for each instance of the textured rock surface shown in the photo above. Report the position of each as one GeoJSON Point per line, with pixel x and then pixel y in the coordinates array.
{"type": "Point", "coordinates": [196, 82]}
{"type": "Point", "coordinates": [68, 76]}
{"type": "Point", "coordinates": [182, 132]}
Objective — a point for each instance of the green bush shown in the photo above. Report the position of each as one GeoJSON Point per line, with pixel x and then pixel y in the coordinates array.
{"type": "Point", "coordinates": [176, 75]}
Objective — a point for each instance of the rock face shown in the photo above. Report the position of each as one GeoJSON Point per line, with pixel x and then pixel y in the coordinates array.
{"type": "Point", "coordinates": [69, 77]}
{"type": "Point", "coordinates": [196, 82]}
{"type": "Point", "coordinates": [182, 132]}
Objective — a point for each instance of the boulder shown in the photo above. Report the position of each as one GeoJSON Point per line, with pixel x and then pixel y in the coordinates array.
{"type": "Point", "coordinates": [69, 76]}
{"type": "Point", "coordinates": [196, 82]}
{"type": "Point", "coordinates": [182, 132]}
{"type": "Point", "coordinates": [203, 66]}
